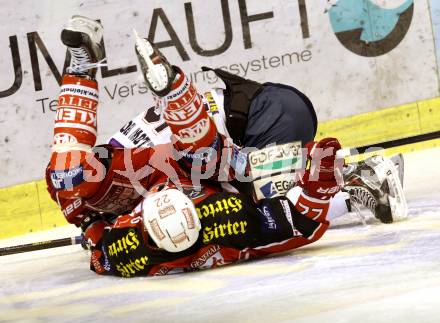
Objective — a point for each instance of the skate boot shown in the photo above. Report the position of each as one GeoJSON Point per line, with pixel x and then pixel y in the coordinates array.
{"type": "Point", "coordinates": [157, 71]}
{"type": "Point", "coordinates": [376, 184]}
{"type": "Point", "coordinates": [83, 38]}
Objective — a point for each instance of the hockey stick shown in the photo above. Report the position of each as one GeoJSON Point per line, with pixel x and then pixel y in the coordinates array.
{"type": "Point", "coordinates": [342, 152]}
{"type": "Point", "coordinates": [389, 144]}
{"type": "Point", "coordinates": [40, 245]}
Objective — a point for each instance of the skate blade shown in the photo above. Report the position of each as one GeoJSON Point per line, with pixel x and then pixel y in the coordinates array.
{"type": "Point", "coordinates": [400, 165]}
{"type": "Point", "coordinates": [157, 74]}
{"type": "Point", "coordinates": [396, 198]}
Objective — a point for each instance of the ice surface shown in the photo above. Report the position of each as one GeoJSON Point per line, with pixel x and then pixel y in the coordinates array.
{"type": "Point", "coordinates": [372, 273]}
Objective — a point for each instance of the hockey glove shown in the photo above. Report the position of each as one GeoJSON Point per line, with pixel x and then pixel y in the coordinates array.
{"type": "Point", "coordinates": [322, 178]}
{"type": "Point", "coordinates": [92, 226]}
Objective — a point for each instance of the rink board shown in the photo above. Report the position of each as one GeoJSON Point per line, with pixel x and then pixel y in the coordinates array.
{"type": "Point", "coordinates": [351, 92]}
{"type": "Point", "coordinates": [375, 273]}
{"type": "Point", "coordinates": [28, 207]}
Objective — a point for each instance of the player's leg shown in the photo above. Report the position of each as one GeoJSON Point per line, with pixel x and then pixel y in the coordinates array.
{"type": "Point", "coordinates": [182, 104]}
{"type": "Point", "coordinates": [377, 184]}
{"type": "Point", "coordinates": [73, 167]}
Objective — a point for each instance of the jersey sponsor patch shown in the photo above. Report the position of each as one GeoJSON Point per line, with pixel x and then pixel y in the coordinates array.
{"type": "Point", "coordinates": [273, 186]}
{"type": "Point", "coordinates": [270, 222]}
{"type": "Point", "coordinates": [275, 159]}
{"type": "Point", "coordinates": [268, 190]}
{"type": "Point", "coordinates": [125, 252]}
{"type": "Point", "coordinates": [67, 178]}
{"type": "Point", "coordinates": [224, 221]}
{"type": "Point", "coordinates": [210, 259]}
{"type": "Point", "coordinates": [213, 107]}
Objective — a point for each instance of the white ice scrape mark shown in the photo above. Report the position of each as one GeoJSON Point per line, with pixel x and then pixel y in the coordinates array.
{"type": "Point", "coordinates": [374, 273]}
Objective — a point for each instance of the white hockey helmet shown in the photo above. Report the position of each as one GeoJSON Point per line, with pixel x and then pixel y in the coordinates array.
{"type": "Point", "coordinates": [171, 220]}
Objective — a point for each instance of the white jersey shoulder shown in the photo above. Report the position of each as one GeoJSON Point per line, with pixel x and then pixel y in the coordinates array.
{"type": "Point", "coordinates": [149, 128]}
{"type": "Point", "coordinates": [144, 130]}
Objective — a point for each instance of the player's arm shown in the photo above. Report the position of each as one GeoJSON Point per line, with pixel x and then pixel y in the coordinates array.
{"type": "Point", "coordinates": [199, 148]}
{"type": "Point", "coordinates": [306, 214]}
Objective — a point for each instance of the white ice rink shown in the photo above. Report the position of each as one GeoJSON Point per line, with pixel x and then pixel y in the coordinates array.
{"type": "Point", "coordinates": [355, 273]}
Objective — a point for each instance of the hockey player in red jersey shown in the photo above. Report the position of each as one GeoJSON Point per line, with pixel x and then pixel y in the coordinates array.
{"type": "Point", "coordinates": [96, 186]}
{"type": "Point", "coordinates": [273, 118]}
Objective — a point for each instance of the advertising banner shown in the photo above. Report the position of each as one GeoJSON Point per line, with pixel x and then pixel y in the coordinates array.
{"type": "Point", "coordinates": [348, 56]}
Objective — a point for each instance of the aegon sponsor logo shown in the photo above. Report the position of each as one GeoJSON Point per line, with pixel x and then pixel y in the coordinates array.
{"type": "Point", "coordinates": [276, 188]}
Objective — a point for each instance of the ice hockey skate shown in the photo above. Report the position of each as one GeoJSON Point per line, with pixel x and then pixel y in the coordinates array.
{"type": "Point", "coordinates": [83, 38]}
{"type": "Point", "coordinates": [376, 184]}
{"type": "Point", "coordinates": [157, 71]}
